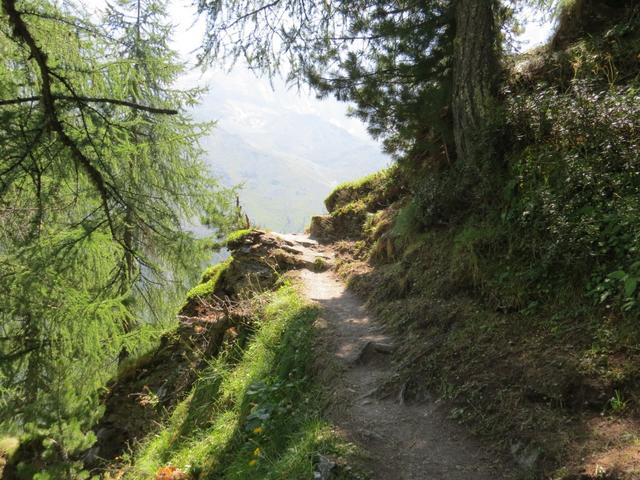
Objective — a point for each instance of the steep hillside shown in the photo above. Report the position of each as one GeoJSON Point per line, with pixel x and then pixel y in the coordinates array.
{"type": "Point", "coordinates": [517, 297]}
{"type": "Point", "coordinates": [286, 160]}
{"type": "Point", "coordinates": [278, 191]}
{"type": "Point", "coordinates": [532, 364]}
{"type": "Point", "coordinates": [232, 392]}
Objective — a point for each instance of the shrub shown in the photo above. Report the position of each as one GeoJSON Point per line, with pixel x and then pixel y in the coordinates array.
{"type": "Point", "coordinates": [441, 197]}
{"type": "Point", "coordinates": [576, 180]}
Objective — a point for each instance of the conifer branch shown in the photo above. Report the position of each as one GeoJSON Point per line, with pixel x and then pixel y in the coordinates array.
{"type": "Point", "coordinates": [83, 99]}
{"type": "Point", "coordinates": [22, 34]}
{"type": "Point", "coordinates": [253, 13]}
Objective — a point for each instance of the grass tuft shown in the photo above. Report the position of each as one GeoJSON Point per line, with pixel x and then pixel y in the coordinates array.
{"type": "Point", "coordinates": [209, 281]}
{"type": "Point", "coordinates": [237, 235]}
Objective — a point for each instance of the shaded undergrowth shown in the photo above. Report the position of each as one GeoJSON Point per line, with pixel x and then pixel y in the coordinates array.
{"type": "Point", "coordinates": [512, 337]}
{"type": "Point", "coordinates": [523, 311]}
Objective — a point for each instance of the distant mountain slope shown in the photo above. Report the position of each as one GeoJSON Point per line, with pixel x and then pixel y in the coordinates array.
{"type": "Point", "coordinates": [278, 192]}
{"type": "Point", "coordinates": [287, 161]}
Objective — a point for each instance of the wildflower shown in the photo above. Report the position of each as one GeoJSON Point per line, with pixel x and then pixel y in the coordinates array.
{"type": "Point", "coordinates": [258, 430]}
{"type": "Point", "coordinates": [170, 473]}
{"type": "Point", "coordinates": [253, 462]}
{"type": "Point", "coordinates": [256, 452]}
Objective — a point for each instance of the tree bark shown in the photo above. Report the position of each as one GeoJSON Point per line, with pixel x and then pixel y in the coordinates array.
{"type": "Point", "coordinates": [474, 81]}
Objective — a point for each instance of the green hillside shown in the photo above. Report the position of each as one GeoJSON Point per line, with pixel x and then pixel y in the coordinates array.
{"type": "Point", "coordinates": [286, 164]}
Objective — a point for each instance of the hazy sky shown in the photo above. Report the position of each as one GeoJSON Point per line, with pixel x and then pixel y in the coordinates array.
{"type": "Point", "coordinates": [243, 87]}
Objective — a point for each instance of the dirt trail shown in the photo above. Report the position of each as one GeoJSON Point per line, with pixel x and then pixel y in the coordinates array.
{"type": "Point", "coordinates": [402, 441]}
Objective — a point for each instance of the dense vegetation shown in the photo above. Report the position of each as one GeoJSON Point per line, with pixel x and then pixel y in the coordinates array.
{"type": "Point", "coordinates": [520, 305]}
{"type": "Point", "coordinates": [508, 231]}
{"type": "Point", "coordinates": [99, 174]}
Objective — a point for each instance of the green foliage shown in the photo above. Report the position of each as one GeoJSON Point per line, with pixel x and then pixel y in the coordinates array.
{"type": "Point", "coordinates": [253, 413]}
{"type": "Point", "coordinates": [441, 197]}
{"type": "Point", "coordinates": [209, 281]}
{"type": "Point", "coordinates": [320, 265]}
{"type": "Point", "coordinates": [399, 79]}
{"type": "Point", "coordinates": [620, 287]}
{"type": "Point", "coordinates": [100, 171]}
{"type": "Point", "coordinates": [72, 323]}
{"type": "Point", "coordinates": [237, 235]}
{"type": "Point", "coordinates": [594, 42]}
{"type": "Point", "coordinates": [354, 190]}
{"type": "Point", "coordinates": [366, 194]}
{"type": "Point", "coordinates": [575, 184]}
{"type": "Point", "coordinates": [8, 446]}
{"type": "Point", "coordinates": [617, 403]}
{"type": "Point", "coordinates": [407, 223]}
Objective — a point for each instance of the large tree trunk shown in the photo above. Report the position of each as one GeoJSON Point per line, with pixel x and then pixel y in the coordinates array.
{"type": "Point", "coordinates": [474, 81]}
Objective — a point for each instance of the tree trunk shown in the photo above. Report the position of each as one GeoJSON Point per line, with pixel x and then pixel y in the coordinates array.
{"type": "Point", "coordinates": [474, 81]}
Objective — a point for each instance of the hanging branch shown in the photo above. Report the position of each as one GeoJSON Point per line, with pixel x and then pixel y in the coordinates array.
{"type": "Point", "coordinates": [47, 100]}
{"type": "Point", "coordinates": [83, 99]}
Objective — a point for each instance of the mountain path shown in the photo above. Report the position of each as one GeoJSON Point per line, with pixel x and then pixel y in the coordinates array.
{"type": "Point", "coordinates": [401, 441]}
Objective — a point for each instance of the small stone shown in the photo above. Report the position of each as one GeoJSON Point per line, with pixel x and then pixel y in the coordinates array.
{"type": "Point", "coordinates": [324, 467]}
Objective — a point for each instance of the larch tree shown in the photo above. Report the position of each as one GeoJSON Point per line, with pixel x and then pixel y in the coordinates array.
{"type": "Point", "coordinates": [99, 177]}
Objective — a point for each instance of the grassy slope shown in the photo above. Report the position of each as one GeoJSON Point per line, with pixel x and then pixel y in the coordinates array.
{"type": "Point", "coordinates": [255, 410]}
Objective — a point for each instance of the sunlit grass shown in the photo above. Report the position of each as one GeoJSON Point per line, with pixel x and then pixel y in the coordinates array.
{"type": "Point", "coordinates": [255, 413]}
{"type": "Point", "coordinates": [8, 445]}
